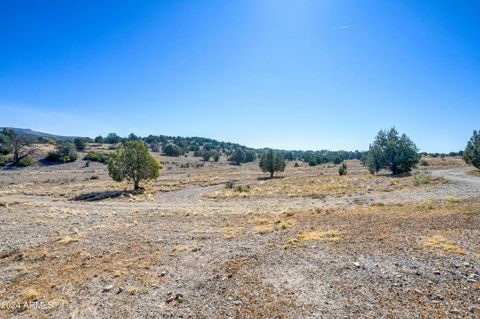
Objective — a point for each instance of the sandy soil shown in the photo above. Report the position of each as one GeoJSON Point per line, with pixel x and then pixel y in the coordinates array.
{"type": "Point", "coordinates": [308, 244]}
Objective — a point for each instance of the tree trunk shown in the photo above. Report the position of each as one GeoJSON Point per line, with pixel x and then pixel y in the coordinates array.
{"type": "Point", "coordinates": [271, 174]}
{"type": "Point", "coordinates": [136, 185]}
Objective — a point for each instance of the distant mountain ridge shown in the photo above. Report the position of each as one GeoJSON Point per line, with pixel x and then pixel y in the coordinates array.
{"type": "Point", "coordinates": [31, 134]}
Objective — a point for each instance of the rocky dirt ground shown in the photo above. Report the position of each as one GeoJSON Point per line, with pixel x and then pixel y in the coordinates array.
{"type": "Point", "coordinates": [308, 244]}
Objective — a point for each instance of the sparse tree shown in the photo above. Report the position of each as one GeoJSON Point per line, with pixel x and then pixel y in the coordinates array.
{"type": "Point", "coordinates": [392, 152]}
{"type": "Point", "coordinates": [20, 146]}
{"type": "Point", "coordinates": [471, 155]}
{"type": "Point", "coordinates": [272, 162]}
{"type": "Point", "coordinates": [79, 144]}
{"type": "Point", "coordinates": [238, 156]}
{"type": "Point", "coordinates": [155, 147]}
{"type": "Point", "coordinates": [132, 162]}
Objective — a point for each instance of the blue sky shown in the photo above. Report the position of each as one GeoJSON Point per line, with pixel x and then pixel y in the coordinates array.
{"type": "Point", "coordinates": [292, 74]}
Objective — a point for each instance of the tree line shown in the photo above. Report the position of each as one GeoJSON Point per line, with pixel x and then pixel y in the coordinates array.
{"type": "Point", "coordinates": [132, 160]}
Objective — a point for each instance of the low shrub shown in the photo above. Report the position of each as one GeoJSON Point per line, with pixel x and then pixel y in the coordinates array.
{"type": "Point", "coordinates": [5, 159]}
{"type": "Point", "coordinates": [296, 165]}
{"type": "Point", "coordinates": [312, 162]}
{"type": "Point", "coordinates": [95, 156]}
{"type": "Point", "coordinates": [64, 153]}
{"type": "Point", "coordinates": [242, 188]}
{"type": "Point", "coordinates": [421, 179]}
{"type": "Point", "coordinates": [342, 169]}
{"type": "Point", "coordinates": [26, 161]}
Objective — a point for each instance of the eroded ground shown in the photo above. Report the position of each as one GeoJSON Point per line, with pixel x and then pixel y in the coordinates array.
{"type": "Point", "coordinates": [308, 244]}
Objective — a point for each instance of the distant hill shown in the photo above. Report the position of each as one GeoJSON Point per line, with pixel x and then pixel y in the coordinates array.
{"type": "Point", "coordinates": [34, 135]}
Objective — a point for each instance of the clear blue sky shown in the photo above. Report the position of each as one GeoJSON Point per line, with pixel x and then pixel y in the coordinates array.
{"type": "Point", "coordinates": [293, 74]}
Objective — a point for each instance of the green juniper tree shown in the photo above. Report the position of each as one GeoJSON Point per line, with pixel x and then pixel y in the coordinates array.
{"type": "Point", "coordinates": [392, 152]}
{"type": "Point", "coordinates": [471, 155]}
{"type": "Point", "coordinates": [272, 162]}
{"type": "Point", "coordinates": [132, 162]}
{"type": "Point", "coordinates": [238, 156]}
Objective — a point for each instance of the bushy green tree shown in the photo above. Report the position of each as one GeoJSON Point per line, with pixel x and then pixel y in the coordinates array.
{"type": "Point", "coordinates": [132, 162]}
{"type": "Point", "coordinates": [172, 150]}
{"type": "Point", "coordinates": [99, 139]}
{"type": "Point", "coordinates": [250, 156]}
{"type": "Point", "coordinates": [113, 138]}
{"type": "Point", "coordinates": [272, 162]}
{"type": "Point", "coordinates": [392, 152]}
{"type": "Point", "coordinates": [206, 155]}
{"type": "Point", "coordinates": [238, 156]}
{"type": "Point", "coordinates": [216, 157]}
{"type": "Point", "coordinates": [471, 155]}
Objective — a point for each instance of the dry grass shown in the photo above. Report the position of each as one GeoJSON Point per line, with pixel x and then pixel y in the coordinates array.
{"type": "Point", "coordinates": [440, 242]}
{"type": "Point", "coordinates": [331, 235]}
{"type": "Point", "coordinates": [321, 186]}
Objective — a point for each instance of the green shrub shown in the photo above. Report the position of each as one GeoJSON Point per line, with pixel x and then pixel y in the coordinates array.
{"type": "Point", "coordinates": [312, 162]}
{"type": "Point", "coordinates": [64, 152]}
{"type": "Point", "coordinates": [342, 169]}
{"type": "Point", "coordinates": [95, 156]}
{"type": "Point", "coordinates": [79, 144]}
{"type": "Point", "coordinates": [337, 160]}
{"type": "Point", "coordinates": [421, 179]}
{"type": "Point", "coordinates": [216, 157]}
{"type": "Point", "coordinates": [172, 150]}
{"type": "Point", "coordinates": [26, 161]}
{"type": "Point", "coordinates": [296, 165]}
{"type": "Point", "coordinates": [242, 188]}
{"type": "Point", "coordinates": [5, 159]}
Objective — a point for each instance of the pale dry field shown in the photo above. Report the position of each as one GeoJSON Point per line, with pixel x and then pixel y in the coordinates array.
{"type": "Point", "coordinates": [308, 244]}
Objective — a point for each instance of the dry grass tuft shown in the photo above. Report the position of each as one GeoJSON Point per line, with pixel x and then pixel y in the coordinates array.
{"type": "Point", "coordinates": [28, 295]}
{"type": "Point", "coordinates": [331, 235]}
{"type": "Point", "coordinates": [231, 232]}
{"type": "Point", "coordinates": [440, 242]}
{"type": "Point", "coordinates": [67, 240]}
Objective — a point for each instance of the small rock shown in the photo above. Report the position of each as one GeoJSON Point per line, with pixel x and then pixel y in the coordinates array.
{"type": "Point", "coordinates": [356, 264]}
{"type": "Point", "coordinates": [163, 273]}
{"type": "Point", "coordinates": [120, 290]}
{"type": "Point", "coordinates": [436, 272]}
{"type": "Point", "coordinates": [454, 311]}
{"type": "Point", "coordinates": [238, 303]}
{"type": "Point", "coordinates": [107, 288]}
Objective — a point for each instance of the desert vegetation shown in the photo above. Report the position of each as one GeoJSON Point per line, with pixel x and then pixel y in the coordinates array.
{"type": "Point", "coordinates": [206, 238]}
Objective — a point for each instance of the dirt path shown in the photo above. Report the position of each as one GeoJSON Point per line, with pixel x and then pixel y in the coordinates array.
{"type": "Point", "coordinates": [193, 199]}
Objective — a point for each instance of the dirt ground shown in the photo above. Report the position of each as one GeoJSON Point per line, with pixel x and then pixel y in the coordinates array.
{"type": "Point", "coordinates": [307, 244]}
